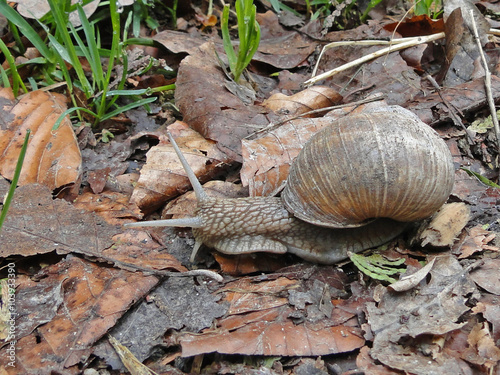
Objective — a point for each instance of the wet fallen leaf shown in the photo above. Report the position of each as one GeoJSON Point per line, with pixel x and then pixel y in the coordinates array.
{"type": "Point", "coordinates": [53, 157]}
{"type": "Point", "coordinates": [90, 300]}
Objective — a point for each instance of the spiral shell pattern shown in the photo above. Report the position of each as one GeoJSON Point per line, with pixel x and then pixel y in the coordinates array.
{"type": "Point", "coordinates": [367, 166]}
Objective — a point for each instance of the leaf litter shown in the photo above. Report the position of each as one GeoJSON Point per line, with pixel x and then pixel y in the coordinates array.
{"type": "Point", "coordinates": [447, 323]}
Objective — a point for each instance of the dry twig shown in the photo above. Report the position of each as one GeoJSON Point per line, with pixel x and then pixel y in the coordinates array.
{"type": "Point", "coordinates": [487, 82]}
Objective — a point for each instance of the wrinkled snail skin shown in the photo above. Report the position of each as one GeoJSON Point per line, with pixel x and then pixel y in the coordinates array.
{"type": "Point", "coordinates": [389, 166]}
{"type": "Point", "coordinates": [262, 224]}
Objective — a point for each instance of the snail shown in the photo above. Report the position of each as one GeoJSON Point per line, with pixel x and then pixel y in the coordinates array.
{"type": "Point", "coordinates": [356, 184]}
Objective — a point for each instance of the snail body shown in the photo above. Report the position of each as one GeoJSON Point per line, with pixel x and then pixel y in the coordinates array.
{"type": "Point", "coordinates": [359, 163]}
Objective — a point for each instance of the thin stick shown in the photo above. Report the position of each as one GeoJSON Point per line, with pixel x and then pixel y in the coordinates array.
{"type": "Point", "coordinates": [273, 126]}
{"type": "Point", "coordinates": [409, 43]}
{"type": "Point", "coordinates": [487, 82]}
{"type": "Point", "coordinates": [456, 120]}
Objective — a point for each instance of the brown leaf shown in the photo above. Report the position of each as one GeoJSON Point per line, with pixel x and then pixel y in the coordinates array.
{"type": "Point", "coordinates": [406, 323]}
{"type": "Point", "coordinates": [281, 48]}
{"type": "Point", "coordinates": [275, 338]}
{"type": "Point", "coordinates": [462, 51]}
{"type": "Point", "coordinates": [315, 97]}
{"type": "Point", "coordinates": [468, 97]}
{"type": "Point", "coordinates": [112, 206]}
{"type": "Point", "coordinates": [445, 226]}
{"type": "Point", "coordinates": [162, 177]}
{"type": "Point", "coordinates": [38, 224]}
{"type": "Point", "coordinates": [482, 349]}
{"type": "Point", "coordinates": [53, 157]}
{"type": "Point", "coordinates": [487, 276]}
{"type": "Point", "coordinates": [137, 249]}
{"type": "Point", "coordinates": [417, 26]}
{"type": "Point", "coordinates": [244, 264]}
{"type": "Point", "coordinates": [209, 108]}
{"type": "Point", "coordinates": [476, 240]}
{"type": "Point", "coordinates": [245, 296]}
{"type": "Point", "coordinates": [94, 299]}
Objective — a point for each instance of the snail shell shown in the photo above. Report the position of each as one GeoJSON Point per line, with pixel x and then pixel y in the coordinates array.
{"type": "Point", "coordinates": [367, 166]}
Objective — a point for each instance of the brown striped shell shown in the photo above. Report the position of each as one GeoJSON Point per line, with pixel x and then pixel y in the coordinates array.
{"type": "Point", "coordinates": [366, 166]}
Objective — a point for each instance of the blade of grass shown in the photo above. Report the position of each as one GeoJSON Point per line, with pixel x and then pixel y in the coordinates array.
{"type": "Point", "coordinates": [127, 108]}
{"type": "Point", "coordinates": [93, 48]}
{"type": "Point", "coordinates": [61, 21]}
{"type": "Point", "coordinates": [26, 29]}
{"type": "Point", "coordinates": [226, 38]}
{"type": "Point", "coordinates": [16, 78]}
{"type": "Point", "coordinates": [15, 179]}
{"type": "Point", "coordinates": [5, 78]}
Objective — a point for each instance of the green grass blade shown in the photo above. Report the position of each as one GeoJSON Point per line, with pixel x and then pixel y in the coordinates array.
{"type": "Point", "coordinates": [16, 78]}
{"type": "Point", "coordinates": [127, 108]}
{"type": "Point", "coordinates": [15, 179]}
{"type": "Point", "coordinates": [61, 21]}
{"type": "Point", "coordinates": [226, 38]}
{"type": "Point", "coordinates": [26, 29]}
{"type": "Point", "coordinates": [93, 48]}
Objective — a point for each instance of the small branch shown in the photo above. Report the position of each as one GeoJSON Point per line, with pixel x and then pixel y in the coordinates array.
{"type": "Point", "coordinates": [410, 42]}
{"type": "Point", "coordinates": [487, 83]}
{"type": "Point", "coordinates": [456, 120]}
{"type": "Point", "coordinates": [273, 126]}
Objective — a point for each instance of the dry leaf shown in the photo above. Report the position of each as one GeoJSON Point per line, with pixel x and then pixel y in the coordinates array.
{"type": "Point", "coordinates": [53, 157]}
{"type": "Point", "coordinates": [476, 240]}
{"type": "Point", "coordinates": [315, 97]}
{"type": "Point", "coordinates": [446, 225]}
{"type": "Point", "coordinates": [93, 298]}
{"type": "Point", "coordinates": [38, 224]}
{"type": "Point", "coordinates": [162, 177]}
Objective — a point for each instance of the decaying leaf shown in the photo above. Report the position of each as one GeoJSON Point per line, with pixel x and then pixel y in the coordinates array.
{"type": "Point", "coordinates": [260, 320]}
{"type": "Point", "coordinates": [53, 157]}
{"type": "Point", "coordinates": [162, 177]}
{"type": "Point", "coordinates": [411, 281]}
{"type": "Point", "coordinates": [38, 224]}
{"type": "Point", "coordinates": [131, 363]}
{"type": "Point", "coordinates": [477, 239]}
{"type": "Point", "coordinates": [461, 48]}
{"type": "Point", "coordinates": [482, 349]}
{"type": "Point", "coordinates": [315, 97]}
{"type": "Point", "coordinates": [487, 276]}
{"type": "Point", "coordinates": [176, 304]}
{"type": "Point", "coordinates": [446, 225]}
{"type": "Point", "coordinates": [209, 108]}
{"type": "Point", "coordinates": [91, 300]}
{"type": "Point", "coordinates": [400, 321]}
